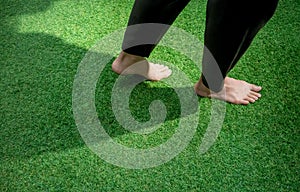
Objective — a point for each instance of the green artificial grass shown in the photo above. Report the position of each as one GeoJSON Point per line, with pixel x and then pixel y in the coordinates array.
{"type": "Point", "coordinates": [42, 44]}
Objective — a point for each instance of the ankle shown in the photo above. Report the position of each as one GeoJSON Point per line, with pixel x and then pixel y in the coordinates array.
{"type": "Point", "coordinates": [201, 89]}
{"type": "Point", "coordinates": [129, 58]}
{"type": "Point", "coordinates": [125, 60]}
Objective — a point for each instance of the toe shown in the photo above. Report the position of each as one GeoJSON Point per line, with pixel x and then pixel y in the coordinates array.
{"type": "Point", "coordinates": [253, 97]}
{"type": "Point", "coordinates": [164, 74]}
{"type": "Point", "coordinates": [164, 69]}
{"type": "Point", "coordinates": [255, 88]}
{"type": "Point", "coordinates": [169, 72]}
{"type": "Point", "coordinates": [244, 102]}
{"type": "Point", "coordinates": [158, 66]}
{"type": "Point", "coordinates": [249, 100]}
{"type": "Point", "coordinates": [253, 93]}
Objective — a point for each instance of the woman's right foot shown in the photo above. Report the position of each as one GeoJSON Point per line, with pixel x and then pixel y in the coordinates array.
{"type": "Point", "coordinates": [127, 64]}
{"type": "Point", "coordinates": [237, 91]}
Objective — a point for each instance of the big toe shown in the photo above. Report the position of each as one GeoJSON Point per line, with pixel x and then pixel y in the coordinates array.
{"type": "Point", "coordinates": [256, 88]}
{"type": "Point", "coordinates": [165, 73]}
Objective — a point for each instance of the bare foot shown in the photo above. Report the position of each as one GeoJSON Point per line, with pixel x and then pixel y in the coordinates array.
{"type": "Point", "coordinates": [127, 64]}
{"type": "Point", "coordinates": [237, 91]}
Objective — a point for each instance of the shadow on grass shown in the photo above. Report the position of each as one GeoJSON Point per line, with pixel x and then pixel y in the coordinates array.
{"type": "Point", "coordinates": [140, 99]}
{"type": "Point", "coordinates": [37, 74]}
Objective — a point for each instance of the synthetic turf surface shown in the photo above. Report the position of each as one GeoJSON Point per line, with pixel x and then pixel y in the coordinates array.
{"type": "Point", "coordinates": [42, 43]}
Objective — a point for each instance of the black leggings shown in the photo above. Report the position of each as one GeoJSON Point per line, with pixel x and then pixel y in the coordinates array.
{"type": "Point", "coordinates": [230, 28]}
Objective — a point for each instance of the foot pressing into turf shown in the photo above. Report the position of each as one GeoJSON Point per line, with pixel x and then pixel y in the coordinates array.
{"type": "Point", "coordinates": [127, 64]}
{"type": "Point", "coordinates": [237, 91]}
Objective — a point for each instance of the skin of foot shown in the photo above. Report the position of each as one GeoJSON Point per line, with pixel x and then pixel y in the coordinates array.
{"type": "Point", "coordinates": [128, 64]}
{"type": "Point", "coordinates": [234, 91]}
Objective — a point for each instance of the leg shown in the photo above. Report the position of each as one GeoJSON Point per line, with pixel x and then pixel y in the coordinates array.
{"type": "Point", "coordinates": [230, 28]}
{"type": "Point", "coordinates": [267, 10]}
{"type": "Point", "coordinates": [134, 48]}
{"type": "Point", "coordinates": [150, 11]}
